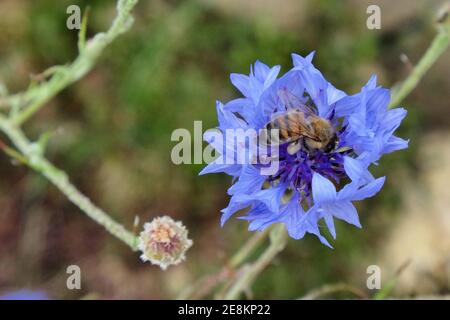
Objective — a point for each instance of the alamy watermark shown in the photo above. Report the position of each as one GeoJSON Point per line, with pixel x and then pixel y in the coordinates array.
{"type": "Point", "coordinates": [232, 146]}
{"type": "Point", "coordinates": [373, 281]}
{"type": "Point", "coordinates": [73, 281]}
{"type": "Point", "coordinates": [73, 22]}
{"type": "Point", "coordinates": [374, 19]}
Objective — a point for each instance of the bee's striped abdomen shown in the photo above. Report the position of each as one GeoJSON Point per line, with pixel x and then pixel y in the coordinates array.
{"type": "Point", "coordinates": [287, 125]}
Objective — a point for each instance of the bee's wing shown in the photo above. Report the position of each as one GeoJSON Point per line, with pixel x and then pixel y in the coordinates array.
{"type": "Point", "coordinates": [292, 125]}
{"type": "Point", "coordinates": [292, 101]}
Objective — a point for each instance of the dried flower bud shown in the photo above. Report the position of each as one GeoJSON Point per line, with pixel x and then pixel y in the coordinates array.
{"type": "Point", "coordinates": [164, 242]}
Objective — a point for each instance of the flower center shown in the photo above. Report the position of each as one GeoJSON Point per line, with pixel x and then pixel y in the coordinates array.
{"type": "Point", "coordinates": [296, 170]}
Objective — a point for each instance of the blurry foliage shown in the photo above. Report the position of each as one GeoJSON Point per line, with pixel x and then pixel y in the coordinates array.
{"type": "Point", "coordinates": [112, 133]}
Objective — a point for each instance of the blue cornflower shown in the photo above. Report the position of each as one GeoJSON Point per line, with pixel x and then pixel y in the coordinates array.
{"type": "Point", "coordinates": [309, 184]}
{"type": "Point", "coordinates": [24, 294]}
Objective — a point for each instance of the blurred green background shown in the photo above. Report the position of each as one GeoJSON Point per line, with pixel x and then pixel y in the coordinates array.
{"type": "Point", "coordinates": [112, 135]}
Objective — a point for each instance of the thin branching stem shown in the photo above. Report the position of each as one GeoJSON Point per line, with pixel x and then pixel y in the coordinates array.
{"type": "Point", "coordinates": [208, 283]}
{"type": "Point", "coordinates": [434, 51]}
{"type": "Point", "coordinates": [38, 96]}
{"type": "Point", "coordinates": [278, 241]}
{"type": "Point", "coordinates": [24, 105]}
{"type": "Point", "coordinates": [248, 248]}
{"type": "Point", "coordinates": [31, 155]}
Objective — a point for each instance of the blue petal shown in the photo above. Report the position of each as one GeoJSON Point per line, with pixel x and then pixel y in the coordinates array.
{"type": "Point", "coordinates": [249, 181]}
{"type": "Point", "coordinates": [271, 197]}
{"type": "Point", "coordinates": [242, 83]}
{"type": "Point", "coordinates": [262, 221]}
{"type": "Point", "coordinates": [260, 216]}
{"type": "Point", "coordinates": [346, 211]}
{"type": "Point", "coordinates": [320, 90]}
{"type": "Point", "coordinates": [270, 101]}
{"type": "Point", "coordinates": [392, 120]}
{"type": "Point", "coordinates": [294, 218]}
{"type": "Point", "coordinates": [272, 76]}
{"type": "Point", "coordinates": [260, 71]}
{"type": "Point", "coordinates": [298, 222]}
{"type": "Point", "coordinates": [237, 105]}
{"type": "Point", "coordinates": [214, 167]}
{"type": "Point", "coordinates": [353, 168]}
{"type": "Point", "coordinates": [372, 83]}
{"type": "Point", "coordinates": [313, 228]}
{"type": "Point", "coordinates": [395, 143]}
{"type": "Point", "coordinates": [334, 94]}
{"type": "Point", "coordinates": [316, 86]}
{"type": "Point", "coordinates": [301, 62]}
{"type": "Point", "coordinates": [369, 190]}
{"type": "Point", "coordinates": [223, 144]}
{"type": "Point", "coordinates": [330, 224]}
{"type": "Point", "coordinates": [356, 169]}
{"type": "Point", "coordinates": [237, 202]}
{"type": "Point", "coordinates": [357, 119]}
{"type": "Point", "coordinates": [227, 119]}
{"type": "Point", "coordinates": [257, 210]}
{"type": "Point", "coordinates": [246, 109]}
{"type": "Point", "coordinates": [347, 105]}
{"type": "Point", "coordinates": [322, 239]}
{"type": "Point", "coordinates": [322, 189]}
{"type": "Point", "coordinates": [377, 103]}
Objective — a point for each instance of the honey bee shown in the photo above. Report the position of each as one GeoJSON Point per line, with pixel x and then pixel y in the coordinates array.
{"type": "Point", "coordinates": [300, 126]}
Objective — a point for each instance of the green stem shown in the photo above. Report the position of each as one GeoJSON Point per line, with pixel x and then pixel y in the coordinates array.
{"type": "Point", "coordinates": [33, 158]}
{"type": "Point", "coordinates": [40, 95]}
{"type": "Point", "coordinates": [434, 51]}
{"type": "Point", "coordinates": [278, 240]}
{"type": "Point", "coordinates": [197, 290]}
{"type": "Point", "coordinates": [247, 249]}
{"type": "Point", "coordinates": [34, 98]}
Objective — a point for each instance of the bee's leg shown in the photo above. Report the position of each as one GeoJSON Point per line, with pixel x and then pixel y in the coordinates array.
{"type": "Point", "coordinates": [294, 147]}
